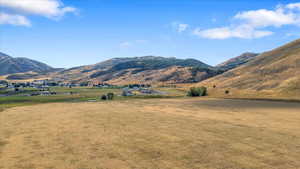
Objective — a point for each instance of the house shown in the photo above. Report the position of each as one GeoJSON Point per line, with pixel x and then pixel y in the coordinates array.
{"type": "Point", "coordinates": [127, 92]}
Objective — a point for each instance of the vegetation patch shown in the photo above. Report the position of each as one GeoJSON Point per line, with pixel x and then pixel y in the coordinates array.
{"type": "Point", "coordinates": [197, 91]}
{"type": "Point", "coordinates": [21, 76]}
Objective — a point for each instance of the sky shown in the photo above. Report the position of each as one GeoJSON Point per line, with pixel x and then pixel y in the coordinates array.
{"type": "Point", "coordinates": [68, 33]}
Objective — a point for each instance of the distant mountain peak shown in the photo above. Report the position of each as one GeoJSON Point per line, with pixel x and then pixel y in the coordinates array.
{"type": "Point", "coordinates": [10, 65]}
{"type": "Point", "coordinates": [237, 61]}
{"type": "Point", "coordinates": [276, 71]}
{"type": "Point", "coordinates": [3, 55]}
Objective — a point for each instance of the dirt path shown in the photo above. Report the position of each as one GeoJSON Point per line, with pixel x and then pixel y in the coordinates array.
{"type": "Point", "coordinates": [156, 133]}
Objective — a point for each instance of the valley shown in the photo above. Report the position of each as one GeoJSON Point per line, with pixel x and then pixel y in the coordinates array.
{"type": "Point", "coordinates": [273, 74]}
{"type": "Point", "coordinates": [149, 84]}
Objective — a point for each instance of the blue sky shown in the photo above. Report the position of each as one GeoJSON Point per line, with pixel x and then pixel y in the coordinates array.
{"type": "Point", "coordinates": [70, 33]}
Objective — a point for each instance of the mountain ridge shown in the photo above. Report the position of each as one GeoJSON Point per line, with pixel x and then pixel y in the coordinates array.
{"type": "Point", "coordinates": [237, 61]}
{"type": "Point", "coordinates": [10, 65]}
{"type": "Point", "coordinates": [276, 71]}
{"type": "Point", "coordinates": [145, 69]}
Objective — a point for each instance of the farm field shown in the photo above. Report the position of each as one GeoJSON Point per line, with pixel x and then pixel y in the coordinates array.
{"type": "Point", "coordinates": [78, 94]}
{"type": "Point", "coordinates": [63, 95]}
{"type": "Point", "coordinates": [181, 133]}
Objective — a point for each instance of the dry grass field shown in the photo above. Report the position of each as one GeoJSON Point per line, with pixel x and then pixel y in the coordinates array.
{"type": "Point", "coordinates": [181, 133]}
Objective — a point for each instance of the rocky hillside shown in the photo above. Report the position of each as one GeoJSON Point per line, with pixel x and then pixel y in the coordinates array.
{"type": "Point", "coordinates": [148, 69]}
{"type": "Point", "coordinates": [10, 65]}
{"type": "Point", "coordinates": [275, 71]}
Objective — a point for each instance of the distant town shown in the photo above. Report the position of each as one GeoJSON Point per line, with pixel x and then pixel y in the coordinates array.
{"type": "Point", "coordinates": [43, 88]}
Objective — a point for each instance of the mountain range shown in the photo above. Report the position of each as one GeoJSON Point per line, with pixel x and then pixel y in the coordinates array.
{"type": "Point", "coordinates": [146, 69]}
{"type": "Point", "coordinates": [10, 65]}
{"type": "Point", "coordinates": [275, 70]}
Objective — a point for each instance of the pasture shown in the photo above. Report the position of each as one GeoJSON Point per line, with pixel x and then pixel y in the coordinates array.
{"type": "Point", "coordinates": [63, 95]}
{"type": "Point", "coordinates": [182, 133]}
{"type": "Point", "coordinates": [79, 94]}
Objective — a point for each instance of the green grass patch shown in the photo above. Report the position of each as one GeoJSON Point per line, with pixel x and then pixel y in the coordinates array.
{"type": "Point", "coordinates": [80, 94]}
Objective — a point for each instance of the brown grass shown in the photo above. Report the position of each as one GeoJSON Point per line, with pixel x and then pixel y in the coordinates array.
{"type": "Point", "coordinates": [275, 72]}
{"type": "Point", "coordinates": [158, 133]}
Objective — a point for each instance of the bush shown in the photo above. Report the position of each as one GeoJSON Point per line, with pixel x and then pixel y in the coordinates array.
{"type": "Point", "coordinates": [197, 91]}
{"type": "Point", "coordinates": [227, 92]}
{"type": "Point", "coordinates": [110, 96]}
{"type": "Point", "coordinates": [103, 97]}
{"type": "Point", "coordinates": [84, 83]}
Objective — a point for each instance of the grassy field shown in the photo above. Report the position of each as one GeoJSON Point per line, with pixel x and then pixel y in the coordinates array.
{"type": "Point", "coordinates": [79, 94]}
{"type": "Point", "coordinates": [175, 133]}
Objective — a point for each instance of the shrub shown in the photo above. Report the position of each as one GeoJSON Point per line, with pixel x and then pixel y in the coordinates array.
{"type": "Point", "coordinates": [103, 97]}
{"type": "Point", "coordinates": [227, 92]}
{"type": "Point", "coordinates": [110, 96]}
{"type": "Point", "coordinates": [197, 91]}
{"type": "Point", "coordinates": [84, 83]}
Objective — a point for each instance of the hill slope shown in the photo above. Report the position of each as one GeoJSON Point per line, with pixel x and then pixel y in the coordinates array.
{"type": "Point", "coordinates": [147, 69]}
{"type": "Point", "coordinates": [237, 61]}
{"type": "Point", "coordinates": [10, 65]}
{"type": "Point", "coordinates": [275, 71]}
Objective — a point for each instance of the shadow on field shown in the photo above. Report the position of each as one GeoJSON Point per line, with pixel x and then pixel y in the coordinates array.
{"type": "Point", "coordinates": [247, 103]}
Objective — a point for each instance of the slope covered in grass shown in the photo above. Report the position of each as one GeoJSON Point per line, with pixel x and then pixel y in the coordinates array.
{"type": "Point", "coordinates": [276, 71]}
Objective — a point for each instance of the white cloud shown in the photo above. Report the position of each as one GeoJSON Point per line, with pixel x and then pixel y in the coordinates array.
{"type": "Point", "coordinates": [253, 24]}
{"type": "Point", "coordinates": [179, 27]}
{"type": "Point", "coordinates": [182, 27]}
{"type": "Point", "coordinates": [19, 9]}
{"type": "Point", "coordinates": [47, 8]}
{"type": "Point", "coordinates": [134, 43]}
{"type": "Point", "coordinates": [242, 31]}
{"type": "Point", "coordinates": [18, 20]}
{"type": "Point", "coordinates": [264, 18]}
{"type": "Point", "coordinates": [293, 6]}
{"type": "Point", "coordinates": [292, 34]}
{"type": "Point", "coordinates": [125, 45]}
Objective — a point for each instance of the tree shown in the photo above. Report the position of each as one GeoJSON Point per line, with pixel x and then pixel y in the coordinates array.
{"type": "Point", "coordinates": [110, 96]}
{"type": "Point", "coordinates": [197, 91]}
{"type": "Point", "coordinates": [84, 84]}
{"type": "Point", "coordinates": [103, 97]}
